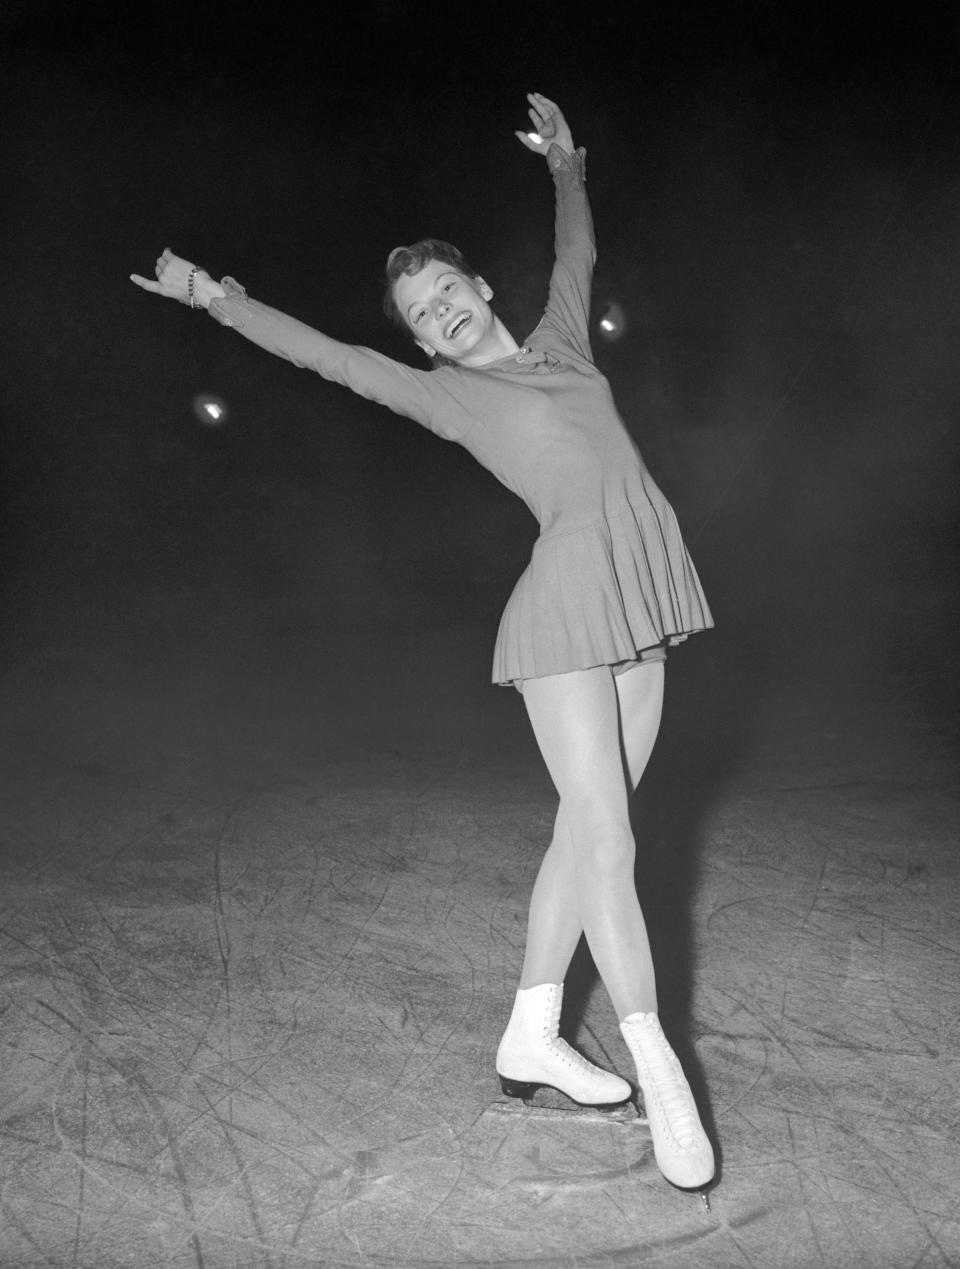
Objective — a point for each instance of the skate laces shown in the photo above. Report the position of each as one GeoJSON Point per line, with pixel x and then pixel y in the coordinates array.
{"type": "Point", "coordinates": [669, 1086]}
{"type": "Point", "coordinates": [556, 1043]}
{"type": "Point", "coordinates": [551, 1025]}
{"type": "Point", "coordinates": [568, 1054]}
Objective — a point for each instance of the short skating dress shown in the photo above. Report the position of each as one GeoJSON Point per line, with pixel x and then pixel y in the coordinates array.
{"type": "Point", "coordinates": [609, 575]}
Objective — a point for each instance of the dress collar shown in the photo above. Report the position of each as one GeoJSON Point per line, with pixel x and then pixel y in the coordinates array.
{"type": "Point", "coordinates": [525, 358]}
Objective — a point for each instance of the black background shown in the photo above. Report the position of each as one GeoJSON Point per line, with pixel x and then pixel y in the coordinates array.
{"type": "Point", "coordinates": [775, 190]}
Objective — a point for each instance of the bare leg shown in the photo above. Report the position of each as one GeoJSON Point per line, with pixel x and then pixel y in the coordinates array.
{"type": "Point", "coordinates": [586, 883]}
{"type": "Point", "coordinates": [554, 922]}
{"type": "Point", "coordinates": [579, 721]}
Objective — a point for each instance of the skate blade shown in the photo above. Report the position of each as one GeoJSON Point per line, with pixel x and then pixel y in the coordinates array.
{"type": "Point", "coordinates": [515, 1107]}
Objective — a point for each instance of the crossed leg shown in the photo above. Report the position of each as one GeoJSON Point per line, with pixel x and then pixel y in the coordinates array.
{"type": "Point", "coordinates": [596, 732]}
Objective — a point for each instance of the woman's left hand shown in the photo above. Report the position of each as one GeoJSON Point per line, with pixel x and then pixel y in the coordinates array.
{"type": "Point", "coordinates": [550, 127]}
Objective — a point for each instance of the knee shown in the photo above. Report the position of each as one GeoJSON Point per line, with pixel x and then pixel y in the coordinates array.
{"type": "Point", "coordinates": [612, 857]}
{"type": "Point", "coordinates": [601, 836]}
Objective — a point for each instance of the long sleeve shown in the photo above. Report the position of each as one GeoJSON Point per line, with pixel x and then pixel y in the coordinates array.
{"type": "Point", "coordinates": [568, 306]}
{"type": "Point", "coordinates": [416, 394]}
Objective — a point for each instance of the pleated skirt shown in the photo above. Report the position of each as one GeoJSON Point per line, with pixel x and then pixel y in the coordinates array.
{"type": "Point", "coordinates": [598, 594]}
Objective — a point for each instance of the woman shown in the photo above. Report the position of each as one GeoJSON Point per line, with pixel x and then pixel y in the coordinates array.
{"type": "Point", "coordinates": [583, 636]}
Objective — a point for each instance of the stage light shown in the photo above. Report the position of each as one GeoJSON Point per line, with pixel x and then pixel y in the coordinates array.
{"type": "Point", "coordinates": [612, 323]}
{"type": "Point", "coordinates": [210, 410]}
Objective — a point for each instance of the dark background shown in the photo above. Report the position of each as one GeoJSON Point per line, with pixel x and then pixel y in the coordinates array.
{"type": "Point", "coordinates": [776, 195]}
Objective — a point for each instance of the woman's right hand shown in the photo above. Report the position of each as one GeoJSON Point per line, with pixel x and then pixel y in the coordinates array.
{"type": "Point", "coordinates": [173, 278]}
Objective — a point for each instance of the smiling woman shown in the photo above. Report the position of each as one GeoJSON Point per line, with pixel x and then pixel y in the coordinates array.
{"type": "Point", "coordinates": [410, 260]}
{"type": "Point", "coordinates": [446, 305]}
{"type": "Point", "coordinates": [584, 635]}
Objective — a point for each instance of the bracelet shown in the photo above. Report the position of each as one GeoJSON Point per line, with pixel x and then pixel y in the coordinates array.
{"type": "Point", "coordinates": [191, 278]}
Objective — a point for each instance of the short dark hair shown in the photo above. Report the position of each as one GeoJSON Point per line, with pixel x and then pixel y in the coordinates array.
{"type": "Point", "coordinates": [410, 260]}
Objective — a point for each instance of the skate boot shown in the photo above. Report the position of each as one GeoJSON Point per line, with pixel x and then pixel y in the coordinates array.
{"type": "Point", "coordinates": [532, 1055]}
{"type": "Point", "coordinates": [683, 1152]}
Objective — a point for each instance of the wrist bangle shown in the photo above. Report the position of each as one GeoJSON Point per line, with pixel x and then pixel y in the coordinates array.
{"type": "Point", "coordinates": [191, 279]}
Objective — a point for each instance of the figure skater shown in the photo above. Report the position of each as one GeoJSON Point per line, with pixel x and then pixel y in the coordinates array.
{"type": "Point", "coordinates": [584, 634]}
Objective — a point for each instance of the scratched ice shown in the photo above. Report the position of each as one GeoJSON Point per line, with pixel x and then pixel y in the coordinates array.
{"type": "Point", "coordinates": [251, 1021]}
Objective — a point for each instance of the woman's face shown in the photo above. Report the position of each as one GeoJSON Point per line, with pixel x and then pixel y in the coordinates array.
{"type": "Point", "coordinates": [448, 313]}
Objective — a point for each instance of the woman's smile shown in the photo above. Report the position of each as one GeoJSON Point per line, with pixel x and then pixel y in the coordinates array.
{"type": "Point", "coordinates": [458, 324]}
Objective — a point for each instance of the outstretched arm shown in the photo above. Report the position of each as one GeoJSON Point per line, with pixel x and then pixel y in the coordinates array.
{"type": "Point", "coordinates": [412, 393]}
{"type": "Point", "coordinates": [567, 314]}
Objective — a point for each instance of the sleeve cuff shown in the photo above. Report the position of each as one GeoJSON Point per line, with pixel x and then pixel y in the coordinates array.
{"type": "Point", "coordinates": [228, 309]}
{"type": "Point", "coordinates": [560, 161]}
